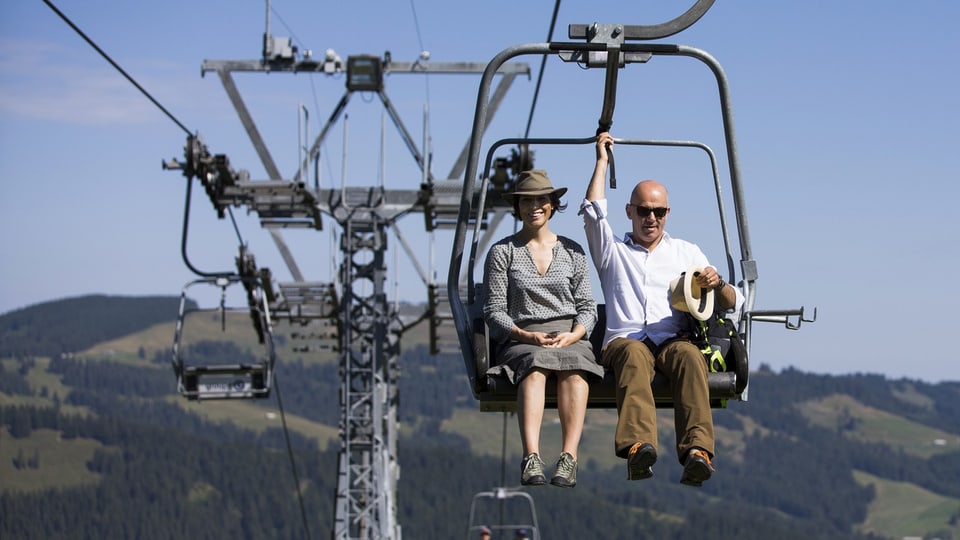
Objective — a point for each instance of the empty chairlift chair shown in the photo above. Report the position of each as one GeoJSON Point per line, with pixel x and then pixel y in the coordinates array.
{"type": "Point", "coordinates": [217, 353]}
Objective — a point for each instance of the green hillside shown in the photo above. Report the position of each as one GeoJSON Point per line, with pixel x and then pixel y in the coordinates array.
{"type": "Point", "coordinates": [95, 443]}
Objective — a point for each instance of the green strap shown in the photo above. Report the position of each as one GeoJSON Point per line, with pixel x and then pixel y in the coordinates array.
{"type": "Point", "coordinates": [714, 357]}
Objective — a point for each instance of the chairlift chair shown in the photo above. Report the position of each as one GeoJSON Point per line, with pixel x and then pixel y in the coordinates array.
{"type": "Point", "coordinates": [200, 377]}
{"type": "Point", "coordinates": [481, 515]}
{"type": "Point", "coordinates": [607, 49]}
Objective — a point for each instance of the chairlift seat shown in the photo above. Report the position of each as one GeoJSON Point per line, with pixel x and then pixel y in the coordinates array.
{"type": "Point", "coordinates": [496, 393]}
{"type": "Point", "coordinates": [225, 381]}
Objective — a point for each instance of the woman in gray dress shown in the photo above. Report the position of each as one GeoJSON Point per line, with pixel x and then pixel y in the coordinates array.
{"type": "Point", "coordinates": [540, 304]}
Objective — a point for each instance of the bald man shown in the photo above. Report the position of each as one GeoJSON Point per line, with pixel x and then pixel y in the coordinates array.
{"type": "Point", "coordinates": [643, 332]}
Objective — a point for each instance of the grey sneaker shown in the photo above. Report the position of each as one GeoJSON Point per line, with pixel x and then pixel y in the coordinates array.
{"type": "Point", "coordinates": [566, 474]}
{"type": "Point", "coordinates": [531, 471]}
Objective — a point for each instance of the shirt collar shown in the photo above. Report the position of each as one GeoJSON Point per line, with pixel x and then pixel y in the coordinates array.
{"type": "Point", "coordinates": [628, 240]}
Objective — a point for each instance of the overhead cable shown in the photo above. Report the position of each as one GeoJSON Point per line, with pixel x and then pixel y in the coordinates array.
{"type": "Point", "coordinates": [543, 65]}
{"type": "Point", "coordinates": [116, 66]}
{"type": "Point", "coordinates": [293, 463]}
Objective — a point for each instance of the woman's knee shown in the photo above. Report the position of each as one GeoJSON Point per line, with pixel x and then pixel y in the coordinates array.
{"type": "Point", "coordinates": [535, 375]}
{"type": "Point", "coordinates": [572, 378]}
{"type": "Point", "coordinates": [570, 375]}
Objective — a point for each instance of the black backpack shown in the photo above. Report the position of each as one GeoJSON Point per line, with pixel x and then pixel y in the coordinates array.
{"type": "Point", "coordinates": [719, 342]}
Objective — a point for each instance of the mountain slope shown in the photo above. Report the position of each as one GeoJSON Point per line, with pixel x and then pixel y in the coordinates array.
{"type": "Point", "coordinates": [809, 456]}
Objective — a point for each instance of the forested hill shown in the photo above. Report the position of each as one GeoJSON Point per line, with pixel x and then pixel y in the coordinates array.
{"type": "Point", "coordinates": [97, 444]}
{"type": "Point", "coordinates": [75, 324]}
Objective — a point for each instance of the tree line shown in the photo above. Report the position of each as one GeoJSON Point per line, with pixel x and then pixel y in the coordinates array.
{"type": "Point", "coordinates": [166, 473]}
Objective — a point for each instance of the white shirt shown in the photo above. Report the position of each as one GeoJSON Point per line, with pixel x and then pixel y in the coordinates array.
{"type": "Point", "coordinates": [635, 281]}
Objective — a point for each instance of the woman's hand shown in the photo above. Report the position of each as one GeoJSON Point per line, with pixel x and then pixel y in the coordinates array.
{"type": "Point", "coordinates": [553, 340]}
{"type": "Point", "coordinates": [562, 339]}
{"type": "Point", "coordinates": [542, 339]}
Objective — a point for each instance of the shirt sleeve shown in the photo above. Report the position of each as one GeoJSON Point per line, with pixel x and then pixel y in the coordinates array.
{"type": "Point", "coordinates": [600, 237]}
{"type": "Point", "coordinates": [495, 279]}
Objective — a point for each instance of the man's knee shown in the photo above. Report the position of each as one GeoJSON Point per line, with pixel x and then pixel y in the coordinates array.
{"type": "Point", "coordinates": [688, 350]}
{"type": "Point", "coordinates": [683, 352]}
{"type": "Point", "coordinates": [627, 350]}
{"type": "Point", "coordinates": [625, 355]}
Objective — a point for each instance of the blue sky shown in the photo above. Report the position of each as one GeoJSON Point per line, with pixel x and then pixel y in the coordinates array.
{"type": "Point", "coordinates": [846, 119]}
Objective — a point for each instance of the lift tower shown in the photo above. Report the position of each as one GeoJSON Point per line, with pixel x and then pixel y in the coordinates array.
{"type": "Point", "coordinates": [366, 327]}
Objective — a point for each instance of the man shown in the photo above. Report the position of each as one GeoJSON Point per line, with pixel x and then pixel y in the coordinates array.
{"type": "Point", "coordinates": [643, 332]}
{"type": "Point", "coordinates": [485, 533]}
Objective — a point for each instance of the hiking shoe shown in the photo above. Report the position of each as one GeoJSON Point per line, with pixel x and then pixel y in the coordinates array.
{"type": "Point", "coordinates": [566, 473]}
{"type": "Point", "coordinates": [531, 471]}
{"type": "Point", "coordinates": [640, 461]}
{"type": "Point", "coordinates": [697, 468]}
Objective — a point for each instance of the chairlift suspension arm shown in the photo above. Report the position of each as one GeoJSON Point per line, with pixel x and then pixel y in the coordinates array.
{"type": "Point", "coordinates": [656, 31]}
{"type": "Point", "coordinates": [609, 102]}
{"type": "Point", "coordinates": [192, 142]}
{"type": "Point", "coordinates": [223, 305]}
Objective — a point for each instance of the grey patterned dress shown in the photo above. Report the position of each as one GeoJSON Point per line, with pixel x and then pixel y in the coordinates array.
{"type": "Point", "coordinates": [517, 294]}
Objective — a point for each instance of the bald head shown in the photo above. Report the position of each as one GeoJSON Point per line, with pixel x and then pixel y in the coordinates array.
{"type": "Point", "coordinates": [647, 210]}
{"type": "Point", "coordinates": [649, 189]}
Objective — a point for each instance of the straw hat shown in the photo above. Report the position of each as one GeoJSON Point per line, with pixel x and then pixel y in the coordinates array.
{"type": "Point", "coordinates": [687, 296]}
{"type": "Point", "coordinates": [531, 184]}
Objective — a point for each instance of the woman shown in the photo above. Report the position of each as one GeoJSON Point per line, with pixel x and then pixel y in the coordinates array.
{"type": "Point", "coordinates": [539, 301]}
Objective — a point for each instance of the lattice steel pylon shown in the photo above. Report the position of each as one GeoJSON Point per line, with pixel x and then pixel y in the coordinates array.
{"type": "Point", "coordinates": [368, 467]}
{"type": "Point", "coordinates": [368, 341]}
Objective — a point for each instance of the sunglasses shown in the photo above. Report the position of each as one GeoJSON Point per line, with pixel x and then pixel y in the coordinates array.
{"type": "Point", "coordinates": [643, 211]}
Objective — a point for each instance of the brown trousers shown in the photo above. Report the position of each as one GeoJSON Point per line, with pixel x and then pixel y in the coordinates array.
{"type": "Point", "coordinates": [633, 363]}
